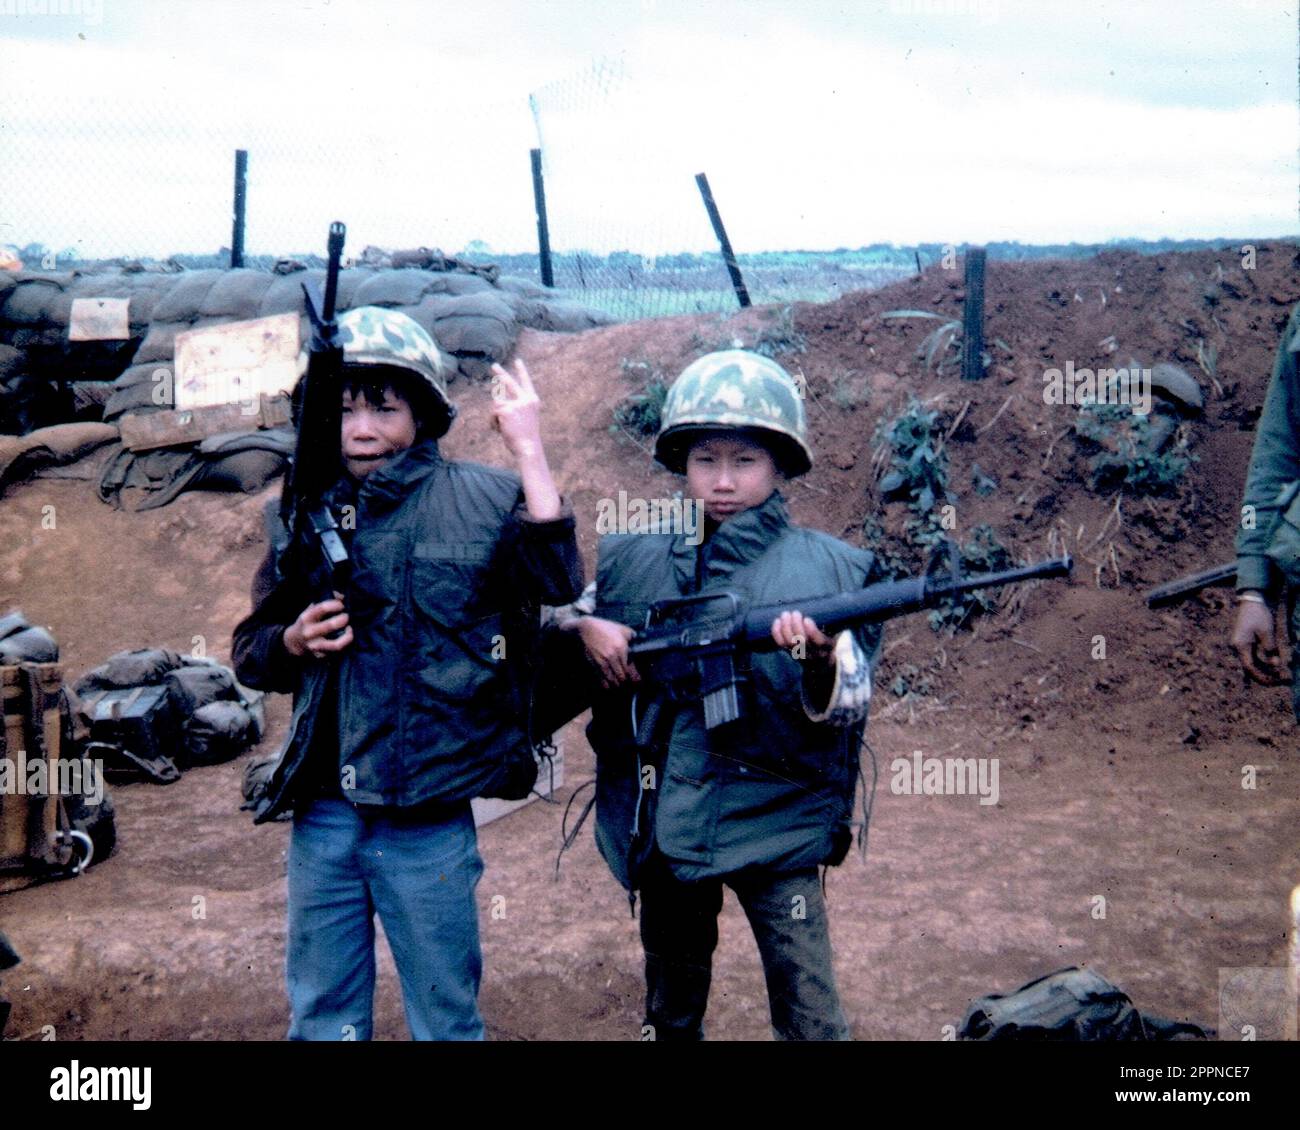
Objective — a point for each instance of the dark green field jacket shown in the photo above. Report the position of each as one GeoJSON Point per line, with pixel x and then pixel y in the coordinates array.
{"type": "Point", "coordinates": [776, 789]}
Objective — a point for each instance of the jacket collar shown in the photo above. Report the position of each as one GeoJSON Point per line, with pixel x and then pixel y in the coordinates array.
{"type": "Point", "coordinates": [735, 543]}
{"type": "Point", "coordinates": [386, 486]}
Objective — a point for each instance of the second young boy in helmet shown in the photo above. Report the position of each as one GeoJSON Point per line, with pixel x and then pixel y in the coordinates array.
{"type": "Point", "coordinates": [762, 803]}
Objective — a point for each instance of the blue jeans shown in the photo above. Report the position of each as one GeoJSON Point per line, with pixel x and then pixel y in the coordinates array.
{"type": "Point", "coordinates": [419, 874]}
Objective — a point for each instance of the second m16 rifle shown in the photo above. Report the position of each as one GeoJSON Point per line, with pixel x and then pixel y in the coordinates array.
{"type": "Point", "coordinates": [1176, 591]}
{"type": "Point", "coordinates": [690, 645]}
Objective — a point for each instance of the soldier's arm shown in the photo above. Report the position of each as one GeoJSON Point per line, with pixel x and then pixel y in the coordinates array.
{"type": "Point", "coordinates": [1274, 462]}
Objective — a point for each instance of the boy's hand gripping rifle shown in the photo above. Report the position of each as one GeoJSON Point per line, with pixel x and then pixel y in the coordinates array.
{"type": "Point", "coordinates": [690, 645]}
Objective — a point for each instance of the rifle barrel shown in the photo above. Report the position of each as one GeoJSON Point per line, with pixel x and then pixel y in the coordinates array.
{"type": "Point", "coordinates": [335, 244]}
{"type": "Point", "coordinates": [835, 611]}
{"type": "Point", "coordinates": [1178, 590]}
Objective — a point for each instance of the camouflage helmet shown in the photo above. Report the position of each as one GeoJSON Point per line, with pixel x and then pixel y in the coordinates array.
{"type": "Point", "coordinates": [372, 335]}
{"type": "Point", "coordinates": [735, 389]}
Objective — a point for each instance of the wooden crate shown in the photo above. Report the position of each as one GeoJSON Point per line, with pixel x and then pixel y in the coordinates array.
{"type": "Point", "coordinates": [29, 825]}
{"type": "Point", "coordinates": [144, 431]}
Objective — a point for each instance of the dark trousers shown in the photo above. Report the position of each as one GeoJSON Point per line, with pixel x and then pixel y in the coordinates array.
{"type": "Point", "coordinates": [679, 931]}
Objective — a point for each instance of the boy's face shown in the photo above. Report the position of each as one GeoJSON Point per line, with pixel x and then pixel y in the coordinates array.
{"type": "Point", "coordinates": [373, 434]}
{"type": "Point", "coordinates": [729, 475]}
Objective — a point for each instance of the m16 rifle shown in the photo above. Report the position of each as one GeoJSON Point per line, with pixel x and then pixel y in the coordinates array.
{"type": "Point", "coordinates": [317, 461]}
{"type": "Point", "coordinates": [1176, 591]}
{"type": "Point", "coordinates": [690, 645]}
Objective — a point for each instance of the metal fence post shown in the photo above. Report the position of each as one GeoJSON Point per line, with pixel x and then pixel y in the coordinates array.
{"type": "Point", "coordinates": [728, 256]}
{"type": "Point", "coordinates": [241, 203]}
{"type": "Point", "coordinates": [543, 232]}
{"type": "Point", "coordinates": [972, 317]}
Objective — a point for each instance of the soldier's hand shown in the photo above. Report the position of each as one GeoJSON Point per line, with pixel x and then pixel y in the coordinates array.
{"type": "Point", "coordinates": [798, 634]}
{"type": "Point", "coordinates": [516, 410]}
{"type": "Point", "coordinates": [1254, 641]}
{"type": "Point", "coordinates": [308, 636]}
{"type": "Point", "coordinates": [606, 643]}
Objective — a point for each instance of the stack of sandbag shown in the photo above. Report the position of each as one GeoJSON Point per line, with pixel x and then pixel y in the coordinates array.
{"type": "Point", "coordinates": [151, 712]}
{"type": "Point", "coordinates": [35, 315]}
{"type": "Point", "coordinates": [473, 315]}
{"type": "Point", "coordinates": [22, 456]}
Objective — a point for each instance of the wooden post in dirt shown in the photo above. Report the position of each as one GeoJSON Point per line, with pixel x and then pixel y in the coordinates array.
{"type": "Point", "coordinates": [972, 317]}
{"type": "Point", "coordinates": [543, 231]}
{"type": "Point", "coordinates": [241, 204]}
{"type": "Point", "coordinates": [728, 256]}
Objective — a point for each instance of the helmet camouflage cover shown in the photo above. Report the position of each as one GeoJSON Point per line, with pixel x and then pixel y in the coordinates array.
{"type": "Point", "coordinates": [735, 389]}
{"type": "Point", "coordinates": [374, 336]}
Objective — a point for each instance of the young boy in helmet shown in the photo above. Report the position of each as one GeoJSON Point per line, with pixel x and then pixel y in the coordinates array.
{"type": "Point", "coordinates": [404, 704]}
{"type": "Point", "coordinates": [760, 804]}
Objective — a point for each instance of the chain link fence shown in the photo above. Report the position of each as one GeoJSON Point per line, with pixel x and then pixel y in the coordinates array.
{"type": "Point", "coordinates": [101, 169]}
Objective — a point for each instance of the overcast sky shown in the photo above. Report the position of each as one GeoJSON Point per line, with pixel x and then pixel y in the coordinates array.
{"type": "Point", "coordinates": [820, 124]}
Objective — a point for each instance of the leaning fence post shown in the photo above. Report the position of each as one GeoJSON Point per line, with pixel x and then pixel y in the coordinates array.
{"type": "Point", "coordinates": [241, 203]}
{"type": "Point", "coordinates": [728, 256]}
{"type": "Point", "coordinates": [972, 317]}
{"type": "Point", "coordinates": [543, 232]}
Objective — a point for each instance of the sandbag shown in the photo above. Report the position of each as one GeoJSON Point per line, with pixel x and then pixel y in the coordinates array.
{"type": "Point", "coordinates": [32, 300]}
{"type": "Point", "coordinates": [102, 286]}
{"type": "Point", "coordinates": [147, 373]}
{"type": "Point", "coordinates": [159, 343]}
{"type": "Point", "coordinates": [568, 317]}
{"type": "Point", "coordinates": [237, 294]}
{"type": "Point", "coordinates": [392, 288]}
{"type": "Point", "coordinates": [144, 301]}
{"type": "Point", "coordinates": [138, 397]}
{"type": "Point", "coordinates": [89, 397]}
{"type": "Point", "coordinates": [148, 386]}
{"type": "Point", "coordinates": [458, 285]}
{"type": "Point", "coordinates": [480, 325]}
{"type": "Point", "coordinates": [38, 337]}
{"type": "Point", "coordinates": [284, 295]}
{"type": "Point", "coordinates": [525, 287]}
{"type": "Point", "coordinates": [12, 362]}
{"type": "Point", "coordinates": [186, 295]}
{"type": "Point", "coordinates": [58, 444]}
{"type": "Point", "coordinates": [244, 461]}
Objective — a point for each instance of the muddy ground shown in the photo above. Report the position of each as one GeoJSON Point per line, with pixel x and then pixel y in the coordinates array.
{"type": "Point", "coordinates": [1120, 777]}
